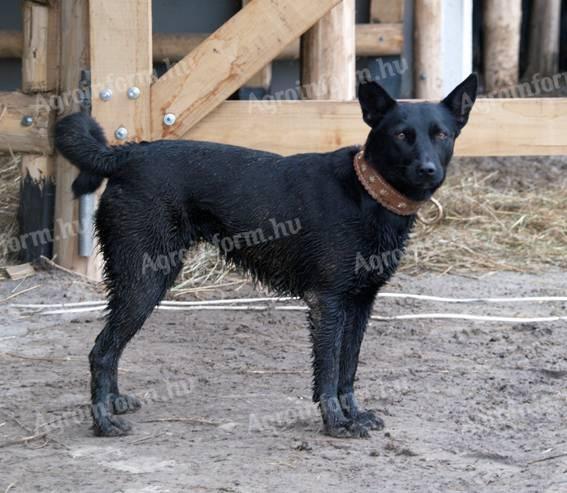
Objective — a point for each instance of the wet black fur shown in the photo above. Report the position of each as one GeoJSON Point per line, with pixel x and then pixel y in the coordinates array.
{"type": "Point", "coordinates": [163, 197]}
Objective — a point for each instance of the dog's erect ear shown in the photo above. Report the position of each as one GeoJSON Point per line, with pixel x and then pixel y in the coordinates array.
{"type": "Point", "coordinates": [462, 99]}
{"type": "Point", "coordinates": [374, 101]}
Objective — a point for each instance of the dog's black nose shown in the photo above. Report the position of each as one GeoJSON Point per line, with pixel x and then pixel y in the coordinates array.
{"type": "Point", "coordinates": [427, 169]}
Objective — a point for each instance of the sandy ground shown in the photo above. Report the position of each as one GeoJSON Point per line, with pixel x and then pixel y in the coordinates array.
{"type": "Point", "coordinates": [469, 407]}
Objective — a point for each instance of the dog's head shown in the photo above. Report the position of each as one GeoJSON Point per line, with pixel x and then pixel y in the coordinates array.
{"type": "Point", "coordinates": [411, 144]}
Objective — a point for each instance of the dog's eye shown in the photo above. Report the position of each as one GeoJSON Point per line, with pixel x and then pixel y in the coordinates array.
{"type": "Point", "coordinates": [441, 135]}
{"type": "Point", "coordinates": [401, 136]}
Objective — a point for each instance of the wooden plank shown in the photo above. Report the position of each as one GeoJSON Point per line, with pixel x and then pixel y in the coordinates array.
{"type": "Point", "coordinates": [502, 29]}
{"type": "Point", "coordinates": [372, 40]}
{"type": "Point", "coordinates": [328, 55]}
{"type": "Point", "coordinates": [497, 127]}
{"type": "Point", "coordinates": [121, 58]}
{"type": "Point", "coordinates": [386, 10]}
{"type": "Point", "coordinates": [35, 46]}
{"type": "Point", "coordinates": [74, 58]}
{"type": "Point", "coordinates": [228, 58]}
{"type": "Point", "coordinates": [11, 44]}
{"type": "Point", "coordinates": [39, 74]}
{"type": "Point", "coordinates": [18, 272]}
{"type": "Point", "coordinates": [428, 49]}
{"type": "Point", "coordinates": [19, 138]}
{"type": "Point", "coordinates": [262, 78]}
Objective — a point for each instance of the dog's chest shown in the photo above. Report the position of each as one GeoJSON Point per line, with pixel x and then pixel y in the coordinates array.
{"type": "Point", "coordinates": [383, 252]}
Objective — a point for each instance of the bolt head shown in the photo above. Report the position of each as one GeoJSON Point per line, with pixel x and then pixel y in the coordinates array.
{"type": "Point", "coordinates": [133, 92]}
{"type": "Point", "coordinates": [27, 121]}
{"type": "Point", "coordinates": [105, 94]}
{"type": "Point", "coordinates": [121, 133]}
{"type": "Point", "coordinates": [169, 119]}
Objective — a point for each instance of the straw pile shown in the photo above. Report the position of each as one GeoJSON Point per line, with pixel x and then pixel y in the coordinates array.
{"type": "Point", "coordinates": [488, 227]}
{"type": "Point", "coordinates": [9, 192]}
{"type": "Point", "coordinates": [500, 215]}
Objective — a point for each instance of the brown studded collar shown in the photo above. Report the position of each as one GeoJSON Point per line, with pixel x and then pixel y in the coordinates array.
{"type": "Point", "coordinates": [381, 191]}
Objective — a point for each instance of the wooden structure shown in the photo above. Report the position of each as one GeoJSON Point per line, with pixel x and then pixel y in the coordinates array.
{"type": "Point", "coordinates": [111, 49]}
{"type": "Point", "coordinates": [502, 24]}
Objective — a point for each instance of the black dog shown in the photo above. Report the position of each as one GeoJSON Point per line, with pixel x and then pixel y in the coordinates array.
{"type": "Point", "coordinates": [163, 197]}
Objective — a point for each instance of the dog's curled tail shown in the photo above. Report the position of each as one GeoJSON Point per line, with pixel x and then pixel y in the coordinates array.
{"type": "Point", "coordinates": [81, 140]}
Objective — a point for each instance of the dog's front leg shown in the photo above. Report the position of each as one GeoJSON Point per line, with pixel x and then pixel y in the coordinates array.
{"type": "Point", "coordinates": [327, 322]}
{"type": "Point", "coordinates": [357, 318]}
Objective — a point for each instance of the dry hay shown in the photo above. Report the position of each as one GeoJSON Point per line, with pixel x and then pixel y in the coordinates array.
{"type": "Point", "coordinates": [513, 219]}
{"type": "Point", "coordinates": [9, 193]}
{"type": "Point", "coordinates": [490, 228]}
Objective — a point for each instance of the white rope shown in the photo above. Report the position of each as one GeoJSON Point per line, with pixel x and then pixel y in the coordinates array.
{"type": "Point", "coordinates": [465, 316]}
{"type": "Point", "coordinates": [238, 304]}
{"type": "Point", "coordinates": [474, 300]}
{"type": "Point", "coordinates": [172, 303]}
{"type": "Point", "coordinates": [418, 316]}
{"type": "Point", "coordinates": [423, 297]}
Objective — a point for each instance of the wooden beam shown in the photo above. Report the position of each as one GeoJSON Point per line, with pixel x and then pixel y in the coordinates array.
{"type": "Point", "coordinates": [120, 47]}
{"type": "Point", "coordinates": [497, 127]}
{"type": "Point", "coordinates": [428, 49]}
{"type": "Point", "coordinates": [74, 59]}
{"type": "Point", "coordinates": [17, 137]}
{"type": "Point", "coordinates": [11, 44]}
{"type": "Point", "coordinates": [37, 186]}
{"type": "Point", "coordinates": [386, 11]}
{"type": "Point", "coordinates": [262, 78]}
{"type": "Point", "coordinates": [227, 59]}
{"type": "Point", "coordinates": [119, 61]}
{"type": "Point", "coordinates": [34, 58]}
{"type": "Point", "coordinates": [502, 27]}
{"type": "Point", "coordinates": [372, 40]}
{"type": "Point", "coordinates": [328, 55]}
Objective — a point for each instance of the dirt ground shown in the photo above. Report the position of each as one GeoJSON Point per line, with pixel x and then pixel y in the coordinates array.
{"type": "Point", "coordinates": [469, 406]}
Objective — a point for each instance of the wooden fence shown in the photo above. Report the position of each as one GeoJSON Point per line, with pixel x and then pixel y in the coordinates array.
{"type": "Point", "coordinates": [109, 47]}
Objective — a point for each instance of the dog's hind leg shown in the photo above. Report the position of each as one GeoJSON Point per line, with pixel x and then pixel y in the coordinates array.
{"type": "Point", "coordinates": [134, 290]}
{"type": "Point", "coordinates": [327, 321]}
{"type": "Point", "coordinates": [358, 314]}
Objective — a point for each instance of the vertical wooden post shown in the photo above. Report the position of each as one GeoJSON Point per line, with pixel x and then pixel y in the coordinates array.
{"type": "Point", "coordinates": [428, 49]}
{"type": "Point", "coordinates": [37, 190]}
{"type": "Point", "coordinates": [502, 23]}
{"type": "Point", "coordinates": [262, 78]}
{"type": "Point", "coordinates": [115, 41]}
{"type": "Point", "coordinates": [543, 55]}
{"type": "Point", "coordinates": [328, 57]}
{"type": "Point", "coordinates": [121, 59]}
{"type": "Point", "coordinates": [74, 20]}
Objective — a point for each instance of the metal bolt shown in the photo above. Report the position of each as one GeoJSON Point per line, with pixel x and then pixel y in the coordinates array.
{"type": "Point", "coordinates": [105, 94]}
{"type": "Point", "coordinates": [27, 121]}
{"type": "Point", "coordinates": [121, 133]}
{"type": "Point", "coordinates": [169, 119]}
{"type": "Point", "coordinates": [133, 92]}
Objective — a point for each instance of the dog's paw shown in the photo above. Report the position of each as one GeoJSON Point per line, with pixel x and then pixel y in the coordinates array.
{"type": "Point", "coordinates": [347, 429]}
{"type": "Point", "coordinates": [111, 426]}
{"type": "Point", "coordinates": [123, 403]}
{"type": "Point", "coordinates": [369, 420]}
